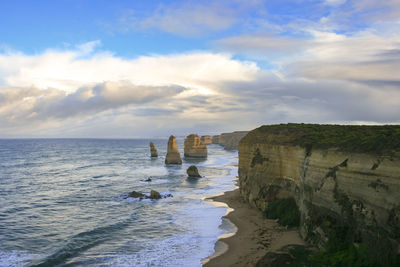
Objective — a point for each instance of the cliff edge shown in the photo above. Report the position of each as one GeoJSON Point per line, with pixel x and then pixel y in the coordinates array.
{"type": "Point", "coordinates": [344, 179]}
{"type": "Point", "coordinates": [230, 141]}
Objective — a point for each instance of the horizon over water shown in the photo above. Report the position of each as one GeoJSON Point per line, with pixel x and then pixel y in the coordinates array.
{"type": "Point", "coordinates": [63, 202]}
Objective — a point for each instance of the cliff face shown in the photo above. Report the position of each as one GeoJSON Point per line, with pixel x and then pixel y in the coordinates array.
{"type": "Point", "coordinates": [229, 141]}
{"type": "Point", "coordinates": [359, 191]}
{"type": "Point", "coordinates": [215, 139]}
{"type": "Point", "coordinates": [206, 139]}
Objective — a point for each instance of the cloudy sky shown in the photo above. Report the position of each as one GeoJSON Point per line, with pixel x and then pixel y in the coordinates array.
{"type": "Point", "coordinates": [83, 68]}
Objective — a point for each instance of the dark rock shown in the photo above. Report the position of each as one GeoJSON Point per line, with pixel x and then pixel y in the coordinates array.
{"type": "Point", "coordinates": [154, 195]}
{"type": "Point", "coordinates": [193, 172]}
{"type": "Point", "coordinates": [136, 194]}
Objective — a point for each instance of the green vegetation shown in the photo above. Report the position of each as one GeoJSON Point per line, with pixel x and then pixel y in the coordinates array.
{"type": "Point", "coordinates": [285, 210]}
{"type": "Point", "coordinates": [297, 256]}
{"type": "Point", "coordinates": [383, 140]}
{"type": "Point", "coordinates": [341, 248]}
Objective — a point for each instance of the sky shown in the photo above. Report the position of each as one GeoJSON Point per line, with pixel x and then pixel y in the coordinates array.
{"type": "Point", "coordinates": [125, 69]}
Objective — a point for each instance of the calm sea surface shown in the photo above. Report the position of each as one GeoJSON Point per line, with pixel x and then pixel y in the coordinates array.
{"type": "Point", "coordinates": [63, 202]}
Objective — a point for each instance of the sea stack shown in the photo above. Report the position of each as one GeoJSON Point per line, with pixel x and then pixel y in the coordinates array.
{"type": "Point", "coordinates": [153, 150]}
{"type": "Point", "coordinates": [215, 139]}
{"type": "Point", "coordinates": [194, 147]}
{"type": "Point", "coordinates": [173, 156]}
{"type": "Point", "coordinates": [206, 139]}
{"type": "Point", "coordinates": [193, 172]}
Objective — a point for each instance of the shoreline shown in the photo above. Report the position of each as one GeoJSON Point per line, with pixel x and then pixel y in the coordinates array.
{"type": "Point", "coordinates": [255, 235]}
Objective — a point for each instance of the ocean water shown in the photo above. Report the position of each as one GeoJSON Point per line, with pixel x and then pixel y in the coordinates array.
{"type": "Point", "coordinates": [63, 203]}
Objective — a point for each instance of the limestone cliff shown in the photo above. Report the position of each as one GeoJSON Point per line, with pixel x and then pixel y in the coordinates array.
{"type": "Point", "coordinates": [173, 156]}
{"type": "Point", "coordinates": [194, 147]}
{"type": "Point", "coordinates": [340, 176]}
{"type": "Point", "coordinates": [215, 139]}
{"type": "Point", "coordinates": [230, 141]}
{"type": "Point", "coordinates": [206, 139]}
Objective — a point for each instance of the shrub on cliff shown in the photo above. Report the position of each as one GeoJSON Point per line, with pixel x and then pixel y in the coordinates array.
{"type": "Point", "coordinates": [382, 140]}
{"type": "Point", "coordinates": [285, 210]}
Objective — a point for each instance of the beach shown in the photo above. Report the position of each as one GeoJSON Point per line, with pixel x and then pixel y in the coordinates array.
{"type": "Point", "coordinates": [255, 234]}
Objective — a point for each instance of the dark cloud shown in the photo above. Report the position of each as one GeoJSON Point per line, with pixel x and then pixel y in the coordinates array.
{"type": "Point", "coordinates": [38, 104]}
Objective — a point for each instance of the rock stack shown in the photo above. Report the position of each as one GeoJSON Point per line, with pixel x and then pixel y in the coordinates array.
{"type": "Point", "coordinates": [215, 139]}
{"type": "Point", "coordinates": [194, 147]}
{"type": "Point", "coordinates": [153, 150]}
{"type": "Point", "coordinates": [173, 156]}
{"type": "Point", "coordinates": [206, 139]}
{"type": "Point", "coordinates": [193, 172]}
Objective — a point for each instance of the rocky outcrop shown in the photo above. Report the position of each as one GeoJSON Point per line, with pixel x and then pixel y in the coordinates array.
{"type": "Point", "coordinates": [173, 156]}
{"type": "Point", "coordinates": [206, 139]}
{"type": "Point", "coordinates": [230, 141]}
{"type": "Point", "coordinates": [215, 139]}
{"type": "Point", "coordinates": [194, 147]}
{"type": "Point", "coordinates": [342, 177]}
{"type": "Point", "coordinates": [153, 150]}
{"type": "Point", "coordinates": [193, 172]}
{"type": "Point", "coordinates": [153, 195]}
{"type": "Point", "coordinates": [136, 194]}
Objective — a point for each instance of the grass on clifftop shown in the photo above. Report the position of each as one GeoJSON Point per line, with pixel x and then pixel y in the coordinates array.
{"type": "Point", "coordinates": [383, 139]}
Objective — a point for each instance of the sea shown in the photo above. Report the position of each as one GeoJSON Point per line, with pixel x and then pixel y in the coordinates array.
{"type": "Point", "coordinates": [64, 202]}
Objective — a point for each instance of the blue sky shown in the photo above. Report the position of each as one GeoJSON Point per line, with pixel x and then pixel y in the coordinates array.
{"type": "Point", "coordinates": [81, 68]}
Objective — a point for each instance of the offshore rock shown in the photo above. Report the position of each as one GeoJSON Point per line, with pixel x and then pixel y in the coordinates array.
{"type": "Point", "coordinates": [215, 139]}
{"type": "Point", "coordinates": [173, 156]}
{"type": "Point", "coordinates": [206, 139]}
{"type": "Point", "coordinates": [153, 150]}
{"type": "Point", "coordinates": [193, 172]}
{"type": "Point", "coordinates": [154, 195]}
{"type": "Point", "coordinates": [194, 147]}
{"type": "Point", "coordinates": [136, 194]}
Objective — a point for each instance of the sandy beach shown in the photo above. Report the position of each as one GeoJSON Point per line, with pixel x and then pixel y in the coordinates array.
{"type": "Point", "coordinates": [255, 236]}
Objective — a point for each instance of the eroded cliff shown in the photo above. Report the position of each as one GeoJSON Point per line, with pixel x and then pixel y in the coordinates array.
{"type": "Point", "coordinates": [229, 141]}
{"type": "Point", "coordinates": [345, 177]}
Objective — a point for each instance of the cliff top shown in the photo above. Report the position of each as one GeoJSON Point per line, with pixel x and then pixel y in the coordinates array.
{"type": "Point", "coordinates": [383, 140]}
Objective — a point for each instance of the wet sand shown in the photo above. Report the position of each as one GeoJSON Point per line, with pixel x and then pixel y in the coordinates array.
{"type": "Point", "coordinates": [255, 236]}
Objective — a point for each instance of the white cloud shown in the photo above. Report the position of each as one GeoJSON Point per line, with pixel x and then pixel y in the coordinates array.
{"type": "Point", "coordinates": [69, 70]}
{"type": "Point", "coordinates": [193, 18]}
{"type": "Point", "coordinates": [263, 46]}
{"type": "Point", "coordinates": [73, 87]}
{"type": "Point", "coordinates": [335, 2]}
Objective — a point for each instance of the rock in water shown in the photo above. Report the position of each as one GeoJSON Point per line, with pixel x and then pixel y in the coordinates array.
{"type": "Point", "coordinates": [215, 139]}
{"type": "Point", "coordinates": [206, 139]}
{"type": "Point", "coordinates": [194, 147]}
{"type": "Point", "coordinates": [136, 194]}
{"type": "Point", "coordinates": [154, 195]}
{"type": "Point", "coordinates": [173, 156]}
{"type": "Point", "coordinates": [193, 172]}
{"type": "Point", "coordinates": [153, 150]}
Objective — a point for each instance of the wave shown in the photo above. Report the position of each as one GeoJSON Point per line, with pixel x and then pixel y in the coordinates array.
{"type": "Point", "coordinates": [18, 258]}
{"type": "Point", "coordinates": [82, 242]}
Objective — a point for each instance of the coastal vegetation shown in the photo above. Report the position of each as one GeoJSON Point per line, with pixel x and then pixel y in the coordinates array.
{"type": "Point", "coordinates": [382, 140]}
{"type": "Point", "coordinates": [285, 210]}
